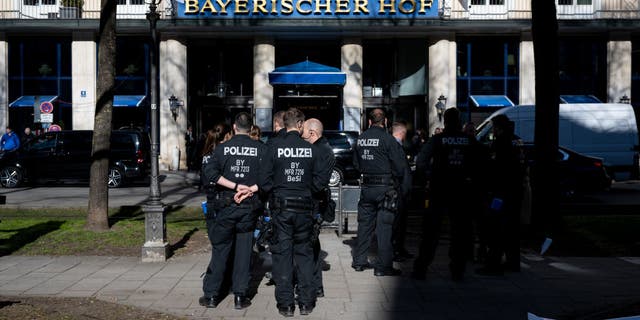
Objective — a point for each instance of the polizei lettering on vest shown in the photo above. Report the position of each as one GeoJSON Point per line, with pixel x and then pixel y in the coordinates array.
{"type": "Point", "coordinates": [241, 151]}
{"type": "Point", "coordinates": [294, 153]}
{"type": "Point", "coordinates": [368, 142]}
{"type": "Point", "coordinates": [455, 140]}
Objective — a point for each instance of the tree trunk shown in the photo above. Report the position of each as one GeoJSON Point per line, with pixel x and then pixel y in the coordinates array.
{"type": "Point", "coordinates": [98, 217]}
{"type": "Point", "coordinates": [544, 25]}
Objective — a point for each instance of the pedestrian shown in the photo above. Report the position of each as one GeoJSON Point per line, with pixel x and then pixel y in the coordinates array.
{"type": "Point", "coordinates": [232, 173]}
{"type": "Point", "coordinates": [450, 158]}
{"type": "Point", "coordinates": [380, 161]}
{"type": "Point", "coordinates": [507, 171]}
{"type": "Point", "coordinates": [323, 204]}
{"type": "Point", "coordinates": [9, 141]}
{"type": "Point", "coordinates": [190, 146]}
{"type": "Point", "coordinates": [400, 252]}
{"type": "Point", "coordinates": [294, 174]}
{"type": "Point", "coordinates": [27, 137]}
{"type": "Point", "coordinates": [255, 133]}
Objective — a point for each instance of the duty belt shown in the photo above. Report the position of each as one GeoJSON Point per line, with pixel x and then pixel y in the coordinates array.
{"type": "Point", "coordinates": [377, 180]}
{"type": "Point", "coordinates": [295, 203]}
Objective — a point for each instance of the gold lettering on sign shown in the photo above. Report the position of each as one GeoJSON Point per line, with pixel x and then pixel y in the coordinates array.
{"type": "Point", "coordinates": [361, 7]}
{"type": "Point", "coordinates": [223, 5]}
{"type": "Point", "coordinates": [274, 6]}
{"type": "Point", "coordinates": [241, 6]}
{"type": "Point", "coordinates": [403, 9]}
{"type": "Point", "coordinates": [384, 6]}
{"type": "Point", "coordinates": [260, 6]}
{"type": "Point", "coordinates": [287, 7]}
{"type": "Point", "coordinates": [425, 4]}
{"type": "Point", "coordinates": [342, 6]}
{"type": "Point", "coordinates": [326, 6]}
{"type": "Point", "coordinates": [299, 6]}
{"type": "Point", "coordinates": [191, 6]}
{"type": "Point", "coordinates": [208, 6]}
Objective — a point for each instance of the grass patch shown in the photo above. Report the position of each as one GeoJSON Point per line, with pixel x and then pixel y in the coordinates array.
{"type": "Point", "coordinates": [64, 234]}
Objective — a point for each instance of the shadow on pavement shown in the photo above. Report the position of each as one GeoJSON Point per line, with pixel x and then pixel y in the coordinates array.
{"type": "Point", "coordinates": [182, 242]}
{"type": "Point", "coordinates": [25, 236]}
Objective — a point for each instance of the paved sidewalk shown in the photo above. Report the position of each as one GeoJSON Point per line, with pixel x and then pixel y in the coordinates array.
{"type": "Point", "coordinates": [547, 286]}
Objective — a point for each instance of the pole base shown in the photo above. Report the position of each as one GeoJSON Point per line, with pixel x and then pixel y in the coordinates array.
{"type": "Point", "coordinates": [155, 252]}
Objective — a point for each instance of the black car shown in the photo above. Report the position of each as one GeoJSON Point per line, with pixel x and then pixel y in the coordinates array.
{"type": "Point", "coordinates": [66, 155]}
{"type": "Point", "coordinates": [342, 143]}
{"type": "Point", "coordinates": [576, 172]}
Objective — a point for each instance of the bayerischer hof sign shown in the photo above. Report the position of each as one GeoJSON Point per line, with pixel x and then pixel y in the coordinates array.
{"type": "Point", "coordinates": [313, 9]}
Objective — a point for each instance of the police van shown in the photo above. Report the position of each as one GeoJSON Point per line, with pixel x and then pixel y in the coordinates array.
{"type": "Point", "coordinates": [604, 130]}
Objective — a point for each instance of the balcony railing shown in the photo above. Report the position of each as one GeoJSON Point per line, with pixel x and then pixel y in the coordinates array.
{"type": "Point", "coordinates": [53, 9]}
{"type": "Point", "coordinates": [521, 9]}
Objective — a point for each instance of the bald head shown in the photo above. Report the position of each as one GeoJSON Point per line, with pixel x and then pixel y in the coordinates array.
{"type": "Point", "coordinates": [312, 130]}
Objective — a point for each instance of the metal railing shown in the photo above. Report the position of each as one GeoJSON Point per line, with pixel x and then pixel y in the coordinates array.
{"type": "Point", "coordinates": [53, 9]}
{"type": "Point", "coordinates": [521, 9]}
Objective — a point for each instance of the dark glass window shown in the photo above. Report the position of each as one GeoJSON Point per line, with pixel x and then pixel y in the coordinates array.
{"type": "Point", "coordinates": [378, 61]}
{"type": "Point", "coordinates": [565, 2]}
{"type": "Point", "coordinates": [487, 67]}
{"type": "Point", "coordinates": [225, 66]}
{"type": "Point", "coordinates": [136, 2]}
{"type": "Point", "coordinates": [131, 66]}
{"type": "Point", "coordinates": [30, 2]}
{"type": "Point", "coordinates": [635, 72]}
{"type": "Point", "coordinates": [582, 67]}
{"type": "Point", "coordinates": [496, 2]}
{"type": "Point", "coordinates": [584, 2]}
{"type": "Point", "coordinates": [49, 2]}
{"type": "Point", "coordinates": [478, 2]}
{"type": "Point", "coordinates": [122, 2]}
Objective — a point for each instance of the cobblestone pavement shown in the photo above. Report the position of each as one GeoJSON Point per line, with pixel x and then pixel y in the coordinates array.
{"type": "Point", "coordinates": [546, 286]}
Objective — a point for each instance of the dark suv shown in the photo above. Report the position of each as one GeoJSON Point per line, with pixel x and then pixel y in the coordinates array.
{"type": "Point", "coordinates": [66, 155]}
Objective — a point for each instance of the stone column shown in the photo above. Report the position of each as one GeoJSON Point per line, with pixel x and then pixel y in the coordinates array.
{"type": "Point", "coordinates": [351, 64]}
{"type": "Point", "coordinates": [442, 76]}
{"type": "Point", "coordinates": [173, 81]}
{"type": "Point", "coordinates": [618, 69]}
{"type": "Point", "coordinates": [4, 81]}
{"type": "Point", "coordinates": [264, 61]}
{"type": "Point", "coordinates": [84, 71]}
{"type": "Point", "coordinates": [527, 72]}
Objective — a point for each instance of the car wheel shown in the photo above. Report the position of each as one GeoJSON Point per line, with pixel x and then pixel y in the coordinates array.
{"type": "Point", "coordinates": [11, 177]}
{"type": "Point", "coordinates": [116, 178]}
{"type": "Point", "coordinates": [336, 178]}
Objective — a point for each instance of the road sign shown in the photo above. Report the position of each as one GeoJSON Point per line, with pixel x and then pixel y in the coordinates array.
{"type": "Point", "coordinates": [55, 127]}
{"type": "Point", "coordinates": [46, 107]}
{"type": "Point", "coordinates": [46, 117]}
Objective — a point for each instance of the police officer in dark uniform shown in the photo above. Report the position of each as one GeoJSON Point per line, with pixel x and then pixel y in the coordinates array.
{"type": "Point", "coordinates": [293, 170]}
{"type": "Point", "coordinates": [450, 157]}
{"type": "Point", "coordinates": [232, 172]}
{"type": "Point", "coordinates": [279, 131]}
{"type": "Point", "coordinates": [312, 133]}
{"type": "Point", "coordinates": [502, 223]}
{"type": "Point", "coordinates": [382, 165]}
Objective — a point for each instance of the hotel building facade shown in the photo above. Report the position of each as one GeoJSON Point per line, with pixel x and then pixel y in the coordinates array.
{"type": "Point", "coordinates": [334, 59]}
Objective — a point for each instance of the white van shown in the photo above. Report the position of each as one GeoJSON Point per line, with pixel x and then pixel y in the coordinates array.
{"type": "Point", "coordinates": [604, 130]}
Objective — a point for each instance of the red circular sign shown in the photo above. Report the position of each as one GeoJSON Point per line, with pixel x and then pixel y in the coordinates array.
{"type": "Point", "coordinates": [46, 107]}
{"type": "Point", "coordinates": [55, 127]}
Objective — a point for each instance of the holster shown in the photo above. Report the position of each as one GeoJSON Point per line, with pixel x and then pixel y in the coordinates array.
{"type": "Point", "coordinates": [390, 201]}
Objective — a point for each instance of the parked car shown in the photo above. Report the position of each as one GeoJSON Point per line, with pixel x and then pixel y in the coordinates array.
{"type": "Point", "coordinates": [342, 143]}
{"type": "Point", "coordinates": [576, 172]}
{"type": "Point", "coordinates": [66, 156]}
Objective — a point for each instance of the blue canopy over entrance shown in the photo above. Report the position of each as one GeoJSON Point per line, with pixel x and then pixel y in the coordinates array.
{"type": "Point", "coordinates": [491, 101]}
{"type": "Point", "coordinates": [28, 101]}
{"type": "Point", "coordinates": [307, 72]}
{"type": "Point", "coordinates": [128, 100]}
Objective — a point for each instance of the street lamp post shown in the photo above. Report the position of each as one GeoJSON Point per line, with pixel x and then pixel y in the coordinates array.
{"type": "Point", "coordinates": [155, 248]}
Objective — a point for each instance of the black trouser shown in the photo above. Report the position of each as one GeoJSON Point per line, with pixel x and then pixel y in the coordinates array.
{"type": "Point", "coordinates": [400, 226]}
{"type": "Point", "coordinates": [231, 223]}
{"type": "Point", "coordinates": [461, 234]}
{"type": "Point", "coordinates": [292, 244]}
{"type": "Point", "coordinates": [503, 229]}
{"type": "Point", "coordinates": [372, 216]}
{"type": "Point", "coordinates": [317, 265]}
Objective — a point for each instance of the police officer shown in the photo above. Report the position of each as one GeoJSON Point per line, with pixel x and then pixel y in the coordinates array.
{"type": "Point", "coordinates": [232, 172]}
{"type": "Point", "coordinates": [294, 175]}
{"type": "Point", "coordinates": [503, 220]}
{"type": "Point", "coordinates": [381, 163]}
{"type": "Point", "coordinates": [312, 133]}
{"type": "Point", "coordinates": [279, 131]}
{"type": "Point", "coordinates": [400, 253]}
{"type": "Point", "coordinates": [450, 157]}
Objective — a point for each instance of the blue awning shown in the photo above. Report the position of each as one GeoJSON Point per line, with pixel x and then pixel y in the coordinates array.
{"type": "Point", "coordinates": [307, 72]}
{"type": "Point", "coordinates": [28, 101]}
{"type": "Point", "coordinates": [566, 98]}
{"type": "Point", "coordinates": [491, 101]}
{"type": "Point", "coordinates": [128, 101]}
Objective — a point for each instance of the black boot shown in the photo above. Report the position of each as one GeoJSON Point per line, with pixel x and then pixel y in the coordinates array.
{"type": "Point", "coordinates": [209, 302]}
{"type": "Point", "coordinates": [241, 302]}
